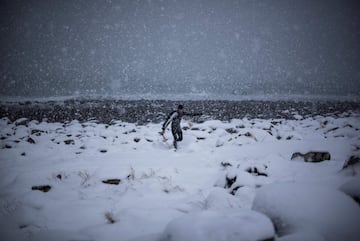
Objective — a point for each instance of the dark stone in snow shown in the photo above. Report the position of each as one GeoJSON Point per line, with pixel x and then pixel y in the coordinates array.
{"type": "Point", "coordinates": [312, 156]}
{"type": "Point", "coordinates": [21, 122]}
{"type": "Point", "coordinates": [43, 188]}
{"type": "Point", "coordinates": [112, 181]}
{"type": "Point", "coordinates": [231, 130]}
{"type": "Point", "coordinates": [36, 132]}
{"type": "Point", "coordinates": [229, 181]}
{"type": "Point", "coordinates": [31, 140]}
{"type": "Point", "coordinates": [225, 164]}
{"type": "Point", "coordinates": [255, 171]}
{"type": "Point", "coordinates": [248, 134]}
{"type": "Point", "coordinates": [70, 141]}
{"type": "Point", "coordinates": [352, 161]}
{"type": "Point", "coordinates": [137, 140]}
{"type": "Point", "coordinates": [131, 131]}
{"type": "Point", "coordinates": [233, 191]}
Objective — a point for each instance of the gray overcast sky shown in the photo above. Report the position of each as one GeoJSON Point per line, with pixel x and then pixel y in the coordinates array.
{"type": "Point", "coordinates": [54, 48]}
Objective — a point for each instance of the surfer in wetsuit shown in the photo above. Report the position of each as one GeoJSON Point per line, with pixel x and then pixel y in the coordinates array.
{"type": "Point", "coordinates": [175, 118]}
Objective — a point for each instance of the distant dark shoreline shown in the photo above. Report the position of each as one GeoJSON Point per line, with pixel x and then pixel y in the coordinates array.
{"type": "Point", "coordinates": [146, 111]}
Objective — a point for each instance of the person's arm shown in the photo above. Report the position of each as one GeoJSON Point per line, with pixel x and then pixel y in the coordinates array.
{"type": "Point", "coordinates": [169, 120]}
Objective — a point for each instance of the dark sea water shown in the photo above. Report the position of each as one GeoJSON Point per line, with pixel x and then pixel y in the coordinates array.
{"type": "Point", "coordinates": [155, 111]}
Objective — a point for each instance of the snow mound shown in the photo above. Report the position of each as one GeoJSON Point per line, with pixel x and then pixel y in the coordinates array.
{"type": "Point", "coordinates": [309, 210]}
{"type": "Point", "coordinates": [352, 188]}
{"type": "Point", "coordinates": [307, 235]}
{"type": "Point", "coordinates": [215, 226]}
{"type": "Point", "coordinates": [220, 199]}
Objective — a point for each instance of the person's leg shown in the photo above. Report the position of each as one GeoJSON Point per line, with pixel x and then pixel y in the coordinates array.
{"type": "Point", "coordinates": [174, 133]}
{"type": "Point", "coordinates": [180, 135]}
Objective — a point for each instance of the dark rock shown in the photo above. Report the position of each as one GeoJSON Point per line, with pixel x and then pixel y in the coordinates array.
{"type": "Point", "coordinates": [148, 140]}
{"type": "Point", "coordinates": [352, 161]}
{"type": "Point", "coordinates": [103, 150]}
{"type": "Point", "coordinates": [225, 164]}
{"type": "Point", "coordinates": [231, 130]}
{"type": "Point", "coordinates": [30, 140]}
{"type": "Point", "coordinates": [36, 132]}
{"type": "Point", "coordinates": [248, 134]}
{"type": "Point", "coordinates": [229, 181]}
{"type": "Point", "coordinates": [110, 218]}
{"type": "Point", "coordinates": [131, 131]}
{"type": "Point", "coordinates": [255, 171]}
{"type": "Point", "coordinates": [44, 188]}
{"type": "Point", "coordinates": [59, 176]}
{"type": "Point", "coordinates": [312, 156]}
{"type": "Point", "coordinates": [21, 121]}
{"type": "Point", "coordinates": [7, 146]}
{"type": "Point", "coordinates": [112, 181]}
{"type": "Point", "coordinates": [233, 191]}
{"type": "Point", "coordinates": [200, 138]}
{"type": "Point", "coordinates": [275, 122]}
{"type": "Point", "coordinates": [70, 141]}
{"type": "Point", "coordinates": [332, 129]}
{"type": "Point", "coordinates": [23, 154]}
{"type": "Point", "coordinates": [137, 139]}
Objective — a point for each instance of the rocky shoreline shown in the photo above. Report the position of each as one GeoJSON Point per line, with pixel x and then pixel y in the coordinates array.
{"type": "Point", "coordinates": [146, 111]}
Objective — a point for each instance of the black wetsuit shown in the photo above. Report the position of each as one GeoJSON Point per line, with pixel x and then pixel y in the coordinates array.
{"type": "Point", "coordinates": [175, 119]}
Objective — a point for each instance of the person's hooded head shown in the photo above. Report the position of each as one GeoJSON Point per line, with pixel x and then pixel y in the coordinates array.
{"type": "Point", "coordinates": [180, 108]}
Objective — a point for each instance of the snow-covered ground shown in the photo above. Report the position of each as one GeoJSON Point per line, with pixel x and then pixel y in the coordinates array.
{"type": "Point", "coordinates": [227, 181]}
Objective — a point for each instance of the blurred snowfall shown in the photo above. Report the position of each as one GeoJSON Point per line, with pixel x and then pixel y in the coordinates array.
{"type": "Point", "coordinates": [201, 48]}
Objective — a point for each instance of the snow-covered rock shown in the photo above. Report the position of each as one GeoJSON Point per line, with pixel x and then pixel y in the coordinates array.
{"type": "Point", "coordinates": [295, 207]}
{"type": "Point", "coordinates": [352, 188]}
{"type": "Point", "coordinates": [215, 226]}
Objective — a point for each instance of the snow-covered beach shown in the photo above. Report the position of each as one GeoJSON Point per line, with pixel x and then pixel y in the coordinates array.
{"type": "Point", "coordinates": [105, 110]}
{"type": "Point", "coordinates": [231, 178]}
